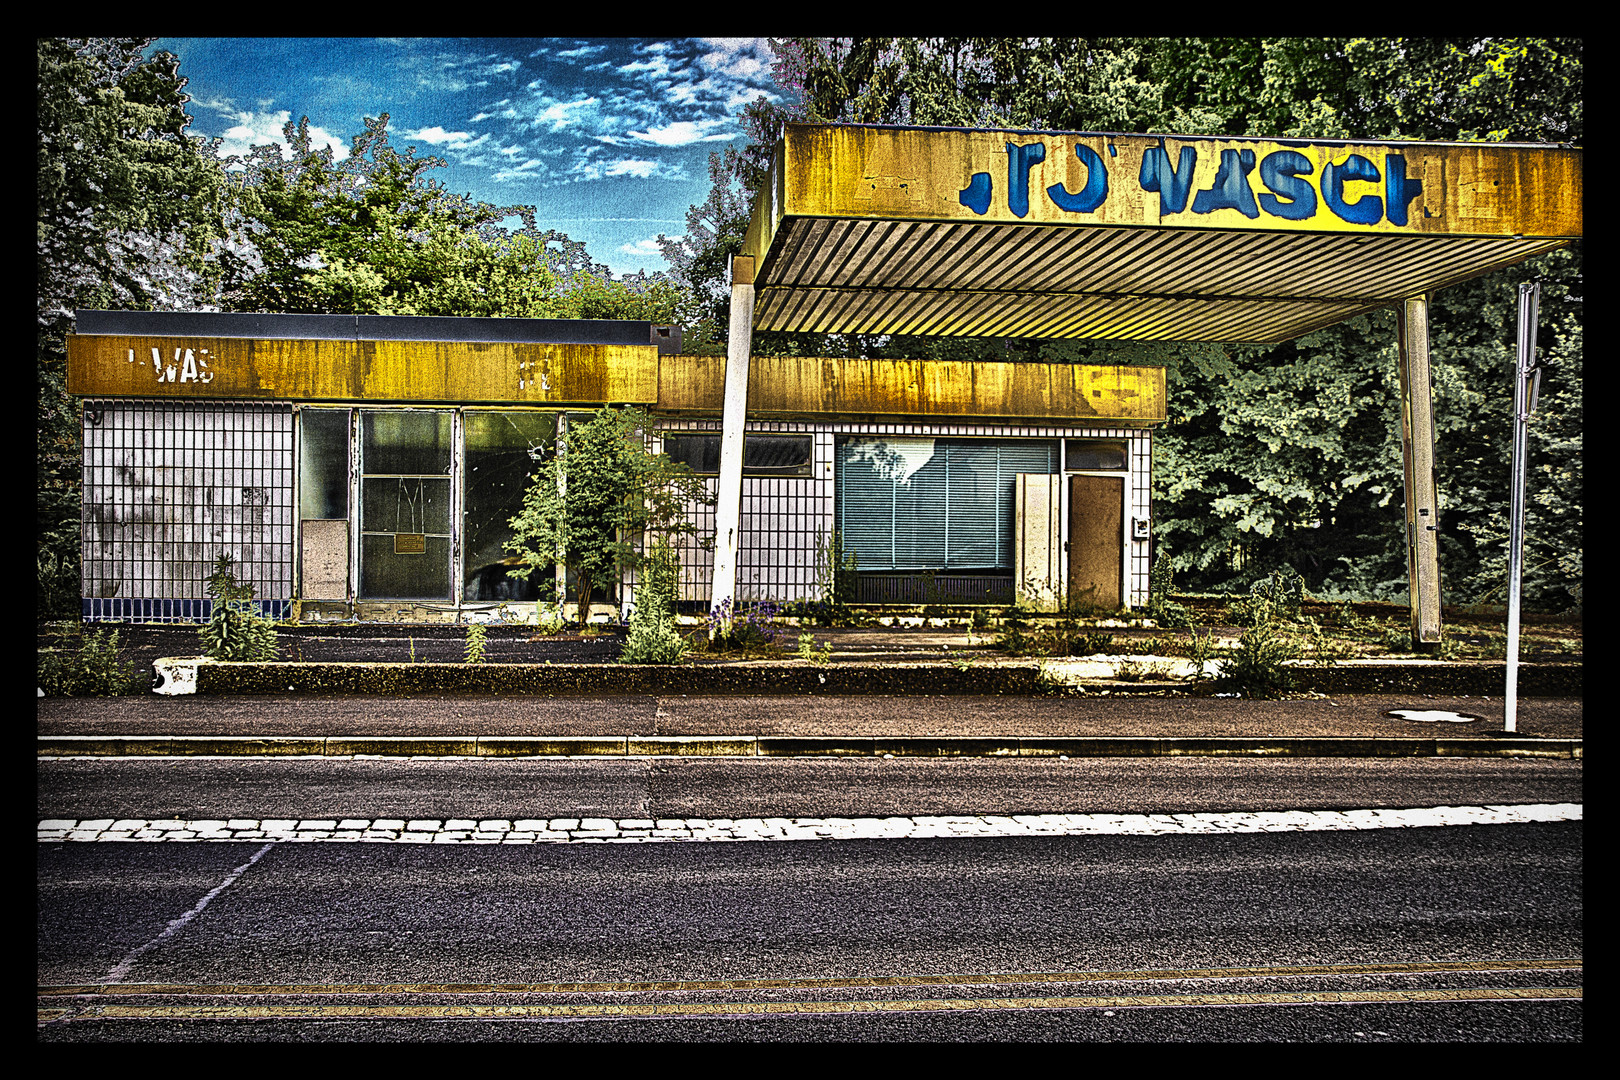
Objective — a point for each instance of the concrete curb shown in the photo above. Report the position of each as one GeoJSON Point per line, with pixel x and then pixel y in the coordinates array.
{"type": "Point", "coordinates": [189, 675]}
{"type": "Point", "coordinates": [771, 746]}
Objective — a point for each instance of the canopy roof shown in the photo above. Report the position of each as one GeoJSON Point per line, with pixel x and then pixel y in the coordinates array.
{"type": "Point", "coordinates": [948, 231]}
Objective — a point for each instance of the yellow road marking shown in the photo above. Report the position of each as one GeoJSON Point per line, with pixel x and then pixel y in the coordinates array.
{"type": "Point", "coordinates": [760, 1008]}
{"type": "Point", "coordinates": [997, 979]}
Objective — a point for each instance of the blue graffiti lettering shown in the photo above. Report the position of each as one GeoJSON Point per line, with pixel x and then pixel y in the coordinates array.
{"type": "Point", "coordinates": [976, 196]}
{"type": "Point", "coordinates": [1092, 195]}
{"type": "Point", "coordinates": [1172, 184]}
{"type": "Point", "coordinates": [1020, 159]}
{"type": "Point", "coordinates": [1284, 172]}
{"type": "Point", "coordinates": [1231, 188]}
{"type": "Point", "coordinates": [1366, 210]}
{"type": "Point", "coordinates": [1398, 190]}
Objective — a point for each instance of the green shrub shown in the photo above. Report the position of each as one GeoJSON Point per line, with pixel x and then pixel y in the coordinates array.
{"type": "Point", "coordinates": [94, 669]}
{"type": "Point", "coordinates": [1200, 648]}
{"type": "Point", "coordinates": [235, 631]}
{"type": "Point", "coordinates": [1284, 591]}
{"type": "Point", "coordinates": [807, 650]}
{"type": "Point", "coordinates": [653, 638]}
{"type": "Point", "coordinates": [1161, 609]}
{"type": "Point", "coordinates": [1258, 668]}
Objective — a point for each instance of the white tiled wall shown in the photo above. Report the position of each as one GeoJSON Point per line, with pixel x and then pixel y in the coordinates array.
{"type": "Point", "coordinates": [784, 520]}
{"type": "Point", "coordinates": [168, 486]}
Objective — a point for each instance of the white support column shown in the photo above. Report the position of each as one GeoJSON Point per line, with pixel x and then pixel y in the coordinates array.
{"type": "Point", "coordinates": [1417, 446]}
{"type": "Point", "coordinates": [728, 505]}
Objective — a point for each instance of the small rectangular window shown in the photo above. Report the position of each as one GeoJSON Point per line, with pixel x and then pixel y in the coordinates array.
{"type": "Point", "coordinates": [763, 455]}
{"type": "Point", "coordinates": [323, 464]}
{"type": "Point", "coordinates": [1086, 455]}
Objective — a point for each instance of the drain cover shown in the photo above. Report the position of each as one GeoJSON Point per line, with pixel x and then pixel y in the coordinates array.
{"type": "Point", "coordinates": [1431, 716]}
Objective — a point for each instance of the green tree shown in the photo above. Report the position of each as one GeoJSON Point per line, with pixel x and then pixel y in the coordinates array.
{"type": "Point", "coordinates": [130, 208]}
{"type": "Point", "coordinates": [375, 234]}
{"type": "Point", "coordinates": [592, 505]}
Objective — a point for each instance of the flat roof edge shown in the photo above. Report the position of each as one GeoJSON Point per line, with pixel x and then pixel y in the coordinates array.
{"type": "Point", "coordinates": [219, 324]}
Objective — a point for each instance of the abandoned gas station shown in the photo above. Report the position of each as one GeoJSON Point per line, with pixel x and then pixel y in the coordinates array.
{"type": "Point", "coordinates": [366, 466]}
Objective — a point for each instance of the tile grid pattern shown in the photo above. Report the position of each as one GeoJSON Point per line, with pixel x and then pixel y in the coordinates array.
{"type": "Point", "coordinates": [170, 485]}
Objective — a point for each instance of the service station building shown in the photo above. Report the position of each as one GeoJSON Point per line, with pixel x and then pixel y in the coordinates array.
{"type": "Point", "coordinates": [367, 466]}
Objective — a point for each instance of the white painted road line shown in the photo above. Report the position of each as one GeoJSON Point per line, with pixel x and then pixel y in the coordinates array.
{"type": "Point", "coordinates": [676, 830]}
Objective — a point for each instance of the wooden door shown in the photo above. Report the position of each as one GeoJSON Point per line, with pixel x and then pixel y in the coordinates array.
{"type": "Point", "coordinates": [1096, 542]}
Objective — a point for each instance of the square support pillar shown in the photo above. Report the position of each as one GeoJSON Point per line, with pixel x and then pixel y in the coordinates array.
{"type": "Point", "coordinates": [1417, 449]}
{"type": "Point", "coordinates": [728, 503]}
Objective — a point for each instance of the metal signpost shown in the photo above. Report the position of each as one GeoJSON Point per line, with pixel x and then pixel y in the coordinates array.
{"type": "Point", "coordinates": [1526, 383]}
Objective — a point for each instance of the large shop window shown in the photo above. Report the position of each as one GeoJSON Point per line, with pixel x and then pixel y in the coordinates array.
{"type": "Point", "coordinates": [934, 504]}
{"type": "Point", "coordinates": [503, 450]}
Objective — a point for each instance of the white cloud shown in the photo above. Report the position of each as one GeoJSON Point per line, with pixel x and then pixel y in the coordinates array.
{"type": "Point", "coordinates": [646, 249]}
{"type": "Point", "coordinates": [630, 167]}
{"type": "Point", "coordinates": [262, 128]}
{"type": "Point", "coordinates": [437, 136]}
{"type": "Point", "coordinates": [685, 133]}
{"type": "Point", "coordinates": [561, 114]}
{"type": "Point", "coordinates": [740, 58]}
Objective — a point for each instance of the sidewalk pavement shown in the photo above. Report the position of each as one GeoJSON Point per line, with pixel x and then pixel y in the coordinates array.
{"type": "Point", "coordinates": [713, 725]}
{"type": "Point", "coordinates": [882, 693]}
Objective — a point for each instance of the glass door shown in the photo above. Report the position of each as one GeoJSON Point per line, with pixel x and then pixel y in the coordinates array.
{"type": "Point", "coordinates": [405, 504]}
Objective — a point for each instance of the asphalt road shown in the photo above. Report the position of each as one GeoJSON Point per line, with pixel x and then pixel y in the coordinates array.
{"type": "Point", "coordinates": [1159, 938]}
{"type": "Point", "coordinates": [83, 788]}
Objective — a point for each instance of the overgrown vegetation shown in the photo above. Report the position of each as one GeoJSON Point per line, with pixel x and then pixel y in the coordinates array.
{"type": "Point", "coordinates": [475, 643]}
{"type": "Point", "coordinates": [96, 668]}
{"type": "Point", "coordinates": [653, 638]}
{"type": "Point", "coordinates": [1258, 667]}
{"type": "Point", "coordinates": [235, 630]}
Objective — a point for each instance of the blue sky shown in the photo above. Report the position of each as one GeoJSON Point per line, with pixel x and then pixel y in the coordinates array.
{"type": "Point", "coordinates": [608, 138]}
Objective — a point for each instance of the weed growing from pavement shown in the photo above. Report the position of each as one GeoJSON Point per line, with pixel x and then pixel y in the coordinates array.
{"type": "Point", "coordinates": [807, 650]}
{"type": "Point", "coordinates": [235, 631]}
{"type": "Point", "coordinates": [94, 669]}
{"type": "Point", "coordinates": [475, 643]}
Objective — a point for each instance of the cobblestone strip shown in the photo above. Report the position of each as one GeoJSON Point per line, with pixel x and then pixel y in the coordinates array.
{"type": "Point", "coordinates": [666, 830]}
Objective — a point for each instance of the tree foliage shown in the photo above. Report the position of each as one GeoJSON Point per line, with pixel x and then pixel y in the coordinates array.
{"type": "Point", "coordinates": [1326, 494]}
{"type": "Point", "coordinates": [374, 234]}
{"type": "Point", "coordinates": [129, 213]}
{"type": "Point", "coordinates": [590, 506]}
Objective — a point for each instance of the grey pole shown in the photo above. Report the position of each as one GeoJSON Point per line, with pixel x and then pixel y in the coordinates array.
{"type": "Point", "coordinates": [1524, 370]}
{"type": "Point", "coordinates": [728, 502]}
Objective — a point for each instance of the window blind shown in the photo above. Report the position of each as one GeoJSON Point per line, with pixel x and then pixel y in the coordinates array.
{"type": "Point", "coordinates": [933, 504]}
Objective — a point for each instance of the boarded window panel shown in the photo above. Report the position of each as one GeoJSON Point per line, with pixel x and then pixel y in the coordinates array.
{"type": "Point", "coordinates": [927, 504]}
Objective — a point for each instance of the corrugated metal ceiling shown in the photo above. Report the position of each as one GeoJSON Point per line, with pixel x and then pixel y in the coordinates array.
{"type": "Point", "coordinates": [1057, 281]}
